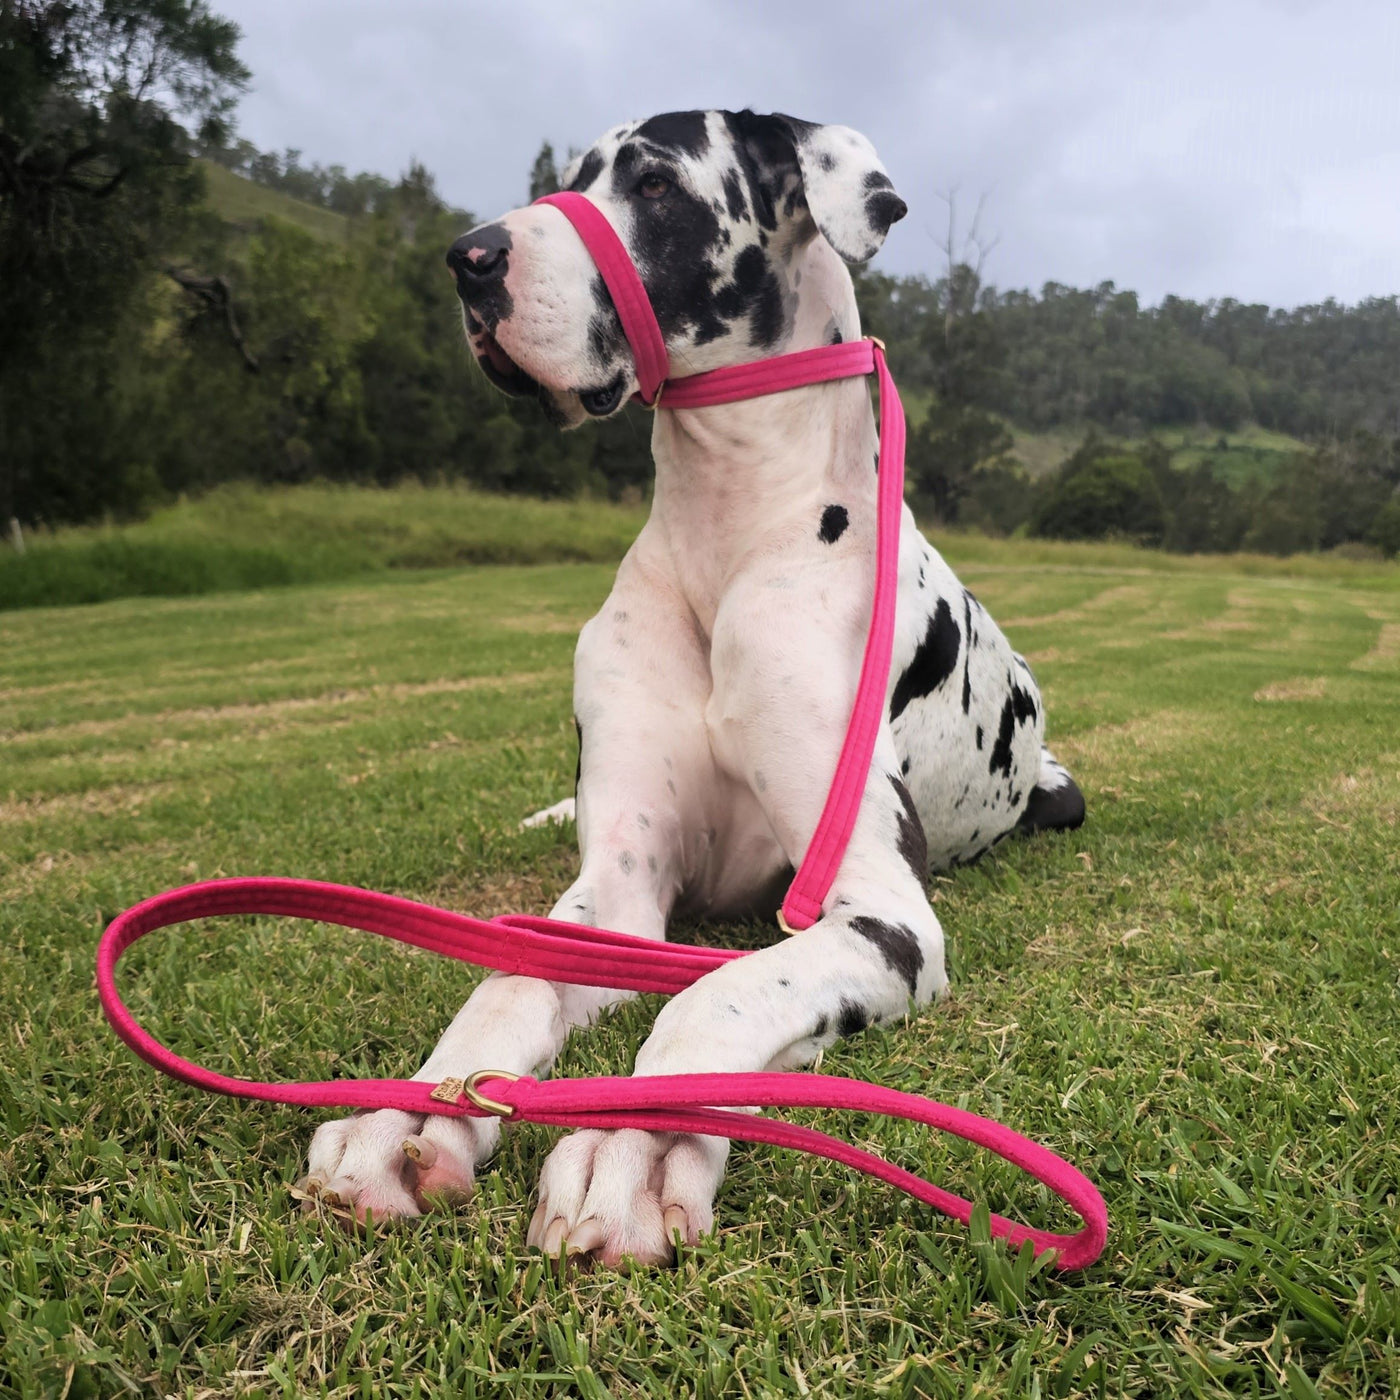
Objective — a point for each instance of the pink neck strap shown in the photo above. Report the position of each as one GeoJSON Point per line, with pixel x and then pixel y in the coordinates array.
{"type": "Point", "coordinates": [575, 953]}
{"type": "Point", "coordinates": [802, 906]}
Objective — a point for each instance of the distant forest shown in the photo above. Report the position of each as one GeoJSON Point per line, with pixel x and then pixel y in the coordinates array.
{"type": "Point", "coordinates": [179, 309]}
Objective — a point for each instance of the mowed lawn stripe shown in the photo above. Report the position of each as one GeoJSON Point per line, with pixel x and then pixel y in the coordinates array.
{"type": "Point", "coordinates": [1196, 997]}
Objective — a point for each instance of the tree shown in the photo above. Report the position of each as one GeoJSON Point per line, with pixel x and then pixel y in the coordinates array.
{"type": "Point", "coordinates": [96, 186]}
{"type": "Point", "coordinates": [1385, 530]}
{"type": "Point", "coordinates": [946, 450]}
{"type": "Point", "coordinates": [544, 177]}
{"type": "Point", "coordinates": [963, 354]}
{"type": "Point", "coordinates": [1102, 492]}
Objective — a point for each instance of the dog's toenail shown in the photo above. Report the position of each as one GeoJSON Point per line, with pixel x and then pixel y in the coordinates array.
{"type": "Point", "coordinates": [420, 1150]}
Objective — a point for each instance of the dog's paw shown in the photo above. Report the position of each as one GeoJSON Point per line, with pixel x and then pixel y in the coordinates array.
{"type": "Point", "coordinates": [389, 1164]}
{"type": "Point", "coordinates": [609, 1195]}
{"type": "Point", "coordinates": [556, 815]}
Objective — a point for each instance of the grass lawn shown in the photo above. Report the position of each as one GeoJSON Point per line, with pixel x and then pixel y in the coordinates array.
{"type": "Point", "coordinates": [1196, 999]}
{"type": "Point", "coordinates": [243, 536]}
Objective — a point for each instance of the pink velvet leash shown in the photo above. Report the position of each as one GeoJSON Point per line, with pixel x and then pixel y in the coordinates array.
{"type": "Point", "coordinates": [678, 1103]}
{"type": "Point", "coordinates": [579, 954]}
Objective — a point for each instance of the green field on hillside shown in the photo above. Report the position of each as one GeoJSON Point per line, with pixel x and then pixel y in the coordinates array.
{"type": "Point", "coordinates": [1250, 453]}
{"type": "Point", "coordinates": [242, 202]}
{"type": "Point", "coordinates": [1195, 998]}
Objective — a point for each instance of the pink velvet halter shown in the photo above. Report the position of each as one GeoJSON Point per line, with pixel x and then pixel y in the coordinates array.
{"type": "Point", "coordinates": [802, 906]}
{"type": "Point", "coordinates": [576, 953]}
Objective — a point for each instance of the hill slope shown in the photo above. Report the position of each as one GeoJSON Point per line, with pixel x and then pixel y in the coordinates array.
{"type": "Point", "coordinates": [241, 202]}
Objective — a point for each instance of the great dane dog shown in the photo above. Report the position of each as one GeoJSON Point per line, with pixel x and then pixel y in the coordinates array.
{"type": "Point", "coordinates": [712, 690]}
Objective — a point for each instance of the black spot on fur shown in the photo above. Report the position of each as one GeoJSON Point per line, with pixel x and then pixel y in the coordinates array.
{"type": "Point", "coordinates": [755, 293]}
{"type": "Point", "coordinates": [1023, 703]}
{"type": "Point", "coordinates": [578, 766]}
{"type": "Point", "coordinates": [933, 662]}
{"type": "Point", "coordinates": [835, 338]}
{"type": "Point", "coordinates": [851, 1019]}
{"type": "Point", "coordinates": [682, 132]}
{"type": "Point", "coordinates": [874, 180]}
{"type": "Point", "coordinates": [827, 161]}
{"type": "Point", "coordinates": [834, 522]}
{"type": "Point", "coordinates": [913, 845]}
{"type": "Point", "coordinates": [979, 737]}
{"type": "Point", "coordinates": [766, 157]}
{"type": "Point", "coordinates": [1001, 750]}
{"type": "Point", "coordinates": [897, 944]}
{"type": "Point", "coordinates": [967, 656]}
{"type": "Point", "coordinates": [820, 1028]}
{"type": "Point", "coordinates": [734, 195]}
{"type": "Point", "coordinates": [589, 169]}
{"type": "Point", "coordinates": [606, 338]}
{"type": "Point", "coordinates": [627, 862]}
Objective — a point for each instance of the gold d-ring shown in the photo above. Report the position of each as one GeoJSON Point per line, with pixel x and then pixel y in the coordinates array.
{"type": "Point", "coordinates": [478, 1099]}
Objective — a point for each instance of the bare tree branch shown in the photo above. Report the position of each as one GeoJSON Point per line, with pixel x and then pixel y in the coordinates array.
{"type": "Point", "coordinates": [214, 294]}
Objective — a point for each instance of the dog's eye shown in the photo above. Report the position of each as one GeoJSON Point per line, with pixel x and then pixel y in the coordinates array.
{"type": "Point", "coordinates": [653, 186]}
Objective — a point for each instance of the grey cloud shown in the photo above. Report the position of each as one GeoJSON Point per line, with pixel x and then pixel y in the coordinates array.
{"type": "Point", "coordinates": [1241, 148]}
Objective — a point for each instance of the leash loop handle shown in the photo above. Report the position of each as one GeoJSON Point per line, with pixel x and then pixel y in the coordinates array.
{"type": "Point", "coordinates": [683, 1103]}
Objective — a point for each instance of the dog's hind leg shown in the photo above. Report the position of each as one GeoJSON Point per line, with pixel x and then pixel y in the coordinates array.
{"type": "Point", "coordinates": [1055, 802]}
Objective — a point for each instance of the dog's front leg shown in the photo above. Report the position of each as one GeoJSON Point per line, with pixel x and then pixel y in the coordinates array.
{"type": "Point", "coordinates": [877, 949]}
{"type": "Point", "coordinates": [639, 693]}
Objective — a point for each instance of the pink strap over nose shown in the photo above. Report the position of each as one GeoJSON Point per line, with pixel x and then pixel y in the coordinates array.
{"type": "Point", "coordinates": [624, 286]}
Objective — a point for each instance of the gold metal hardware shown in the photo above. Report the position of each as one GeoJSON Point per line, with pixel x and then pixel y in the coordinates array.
{"type": "Point", "coordinates": [476, 1097]}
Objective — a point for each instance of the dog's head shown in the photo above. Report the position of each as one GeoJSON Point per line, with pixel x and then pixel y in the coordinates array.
{"type": "Point", "coordinates": [720, 212]}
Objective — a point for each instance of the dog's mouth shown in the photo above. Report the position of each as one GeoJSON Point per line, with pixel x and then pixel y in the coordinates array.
{"type": "Point", "coordinates": [501, 370]}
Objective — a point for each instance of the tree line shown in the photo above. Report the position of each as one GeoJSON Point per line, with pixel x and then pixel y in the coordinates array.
{"type": "Point", "coordinates": [150, 347]}
{"type": "Point", "coordinates": [1099, 361]}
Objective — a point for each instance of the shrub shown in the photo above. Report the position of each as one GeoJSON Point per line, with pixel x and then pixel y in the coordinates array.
{"type": "Point", "coordinates": [1106, 496]}
{"type": "Point", "coordinates": [1385, 530]}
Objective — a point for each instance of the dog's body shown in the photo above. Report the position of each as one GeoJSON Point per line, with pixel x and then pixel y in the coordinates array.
{"type": "Point", "coordinates": [713, 688]}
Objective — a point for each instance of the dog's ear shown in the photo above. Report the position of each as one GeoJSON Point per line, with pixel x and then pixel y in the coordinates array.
{"type": "Point", "coordinates": [848, 189]}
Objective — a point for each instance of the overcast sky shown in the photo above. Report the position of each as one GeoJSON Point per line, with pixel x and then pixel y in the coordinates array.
{"type": "Point", "coordinates": [1245, 148]}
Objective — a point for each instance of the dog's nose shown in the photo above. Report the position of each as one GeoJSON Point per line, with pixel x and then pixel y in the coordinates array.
{"type": "Point", "coordinates": [480, 259]}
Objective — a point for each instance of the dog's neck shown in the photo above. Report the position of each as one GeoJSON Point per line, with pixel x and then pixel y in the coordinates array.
{"type": "Point", "coordinates": [738, 478]}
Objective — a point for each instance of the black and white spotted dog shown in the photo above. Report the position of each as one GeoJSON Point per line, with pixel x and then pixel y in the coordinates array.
{"type": "Point", "coordinates": [712, 690]}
